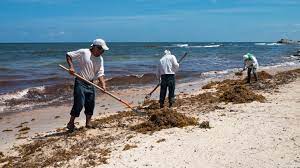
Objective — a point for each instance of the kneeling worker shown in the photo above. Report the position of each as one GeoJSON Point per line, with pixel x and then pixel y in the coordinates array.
{"type": "Point", "coordinates": [167, 67]}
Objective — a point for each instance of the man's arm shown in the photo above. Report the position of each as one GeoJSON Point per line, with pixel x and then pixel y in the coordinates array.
{"type": "Point", "coordinates": [158, 72]}
{"type": "Point", "coordinates": [70, 63]}
{"type": "Point", "coordinates": [244, 68]}
{"type": "Point", "coordinates": [102, 82]}
{"type": "Point", "coordinates": [100, 74]}
{"type": "Point", "coordinates": [255, 62]}
{"type": "Point", "coordinates": [175, 63]}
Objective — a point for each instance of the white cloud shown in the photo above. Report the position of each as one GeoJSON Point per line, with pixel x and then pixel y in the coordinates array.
{"type": "Point", "coordinates": [42, 1]}
{"type": "Point", "coordinates": [238, 10]}
{"type": "Point", "coordinates": [271, 2]}
{"type": "Point", "coordinates": [56, 33]}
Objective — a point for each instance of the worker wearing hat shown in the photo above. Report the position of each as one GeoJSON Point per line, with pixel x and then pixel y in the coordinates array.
{"type": "Point", "coordinates": [166, 70]}
{"type": "Point", "coordinates": [250, 63]}
{"type": "Point", "coordinates": [90, 67]}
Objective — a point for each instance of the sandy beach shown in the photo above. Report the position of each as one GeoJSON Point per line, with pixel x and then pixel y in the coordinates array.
{"type": "Point", "coordinates": [76, 82]}
{"type": "Point", "coordinates": [254, 134]}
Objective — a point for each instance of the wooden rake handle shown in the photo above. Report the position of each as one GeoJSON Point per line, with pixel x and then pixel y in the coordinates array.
{"type": "Point", "coordinates": [185, 54]}
{"type": "Point", "coordinates": [108, 93]}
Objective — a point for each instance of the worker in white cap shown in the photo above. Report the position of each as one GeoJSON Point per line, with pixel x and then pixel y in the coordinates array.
{"type": "Point", "coordinates": [250, 63]}
{"type": "Point", "coordinates": [166, 70]}
{"type": "Point", "coordinates": [90, 67]}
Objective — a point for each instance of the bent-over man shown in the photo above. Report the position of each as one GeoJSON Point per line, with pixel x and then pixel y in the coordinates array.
{"type": "Point", "coordinates": [250, 63]}
{"type": "Point", "coordinates": [90, 67]}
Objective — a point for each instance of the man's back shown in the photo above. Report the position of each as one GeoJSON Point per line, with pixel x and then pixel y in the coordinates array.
{"type": "Point", "coordinates": [168, 64]}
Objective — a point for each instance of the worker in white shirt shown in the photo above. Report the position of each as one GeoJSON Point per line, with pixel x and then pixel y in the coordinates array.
{"type": "Point", "coordinates": [250, 63]}
{"type": "Point", "coordinates": [91, 68]}
{"type": "Point", "coordinates": [167, 67]}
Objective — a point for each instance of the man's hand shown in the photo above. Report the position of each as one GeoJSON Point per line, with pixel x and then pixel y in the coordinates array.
{"type": "Point", "coordinates": [72, 71]}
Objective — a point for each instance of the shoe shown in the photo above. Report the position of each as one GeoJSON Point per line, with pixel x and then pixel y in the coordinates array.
{"type": "Point", "coordinates": [89, 126]}
{"type": "Point", "coordinates": [71, 127]}
{"type": "Point", "coordinates": [170, 105]}
{"type": "Point", "coordinates": [161, 106]}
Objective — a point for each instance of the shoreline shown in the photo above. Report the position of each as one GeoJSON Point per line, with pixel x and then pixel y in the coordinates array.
{"type": "Point", "coordinates": [40, 102]}
{"type": "Point", "coordinates": [46, 120]}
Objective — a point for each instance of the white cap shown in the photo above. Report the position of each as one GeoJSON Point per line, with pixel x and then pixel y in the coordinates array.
{"type": "Point", "coordinates": [100, 42]}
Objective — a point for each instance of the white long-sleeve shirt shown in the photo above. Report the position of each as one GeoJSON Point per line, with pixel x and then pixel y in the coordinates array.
{"type": "Point", "coordinates": [167, 65]}
{"type": "Point", "coordinates": [248, 63]}
{"type": "Point", "coordinates": [90, 67]}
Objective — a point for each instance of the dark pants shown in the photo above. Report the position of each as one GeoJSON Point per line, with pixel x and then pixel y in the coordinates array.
{"type": "Point", "coordinates": [249, 74]}
{"type": "Point", "coordinates": [167, 81]}
{"type": "Point", "coordinates": [84, 96]}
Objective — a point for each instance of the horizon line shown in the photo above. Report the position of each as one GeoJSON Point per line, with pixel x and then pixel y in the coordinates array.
{"type": "Point", "coordinates": [140, 42]}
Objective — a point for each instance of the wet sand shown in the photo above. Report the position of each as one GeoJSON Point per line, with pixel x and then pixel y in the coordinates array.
{"type": "Point", "coordinates": [242, 135]}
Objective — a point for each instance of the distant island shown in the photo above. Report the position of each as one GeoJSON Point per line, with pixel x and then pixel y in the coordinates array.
{"type": "Point", "coordinates": [287, 41]}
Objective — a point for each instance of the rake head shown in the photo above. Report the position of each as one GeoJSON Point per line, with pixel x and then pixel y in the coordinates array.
{"type": "Point", "coordinates": [147, 96]}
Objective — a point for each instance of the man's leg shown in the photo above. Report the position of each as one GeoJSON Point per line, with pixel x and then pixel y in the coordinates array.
{"type": "Point", "coordinates": [77, 105]}
{"type": "Point", "coordinates": [171, 85]}
{"type": "Point", "coordinates": [249, 75]}
{"type": "Point", "coordinates": [163, 91]}
{"type": "Point", "coordinates": [71, 124]}
{"type": "Point", "coordinates": [89, 105]}
{"type": "Point", "coordinates": [255, 74]}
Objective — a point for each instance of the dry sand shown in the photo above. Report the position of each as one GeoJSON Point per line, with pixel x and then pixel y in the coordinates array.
{"type": "Point", "coordinates": [242, 135]}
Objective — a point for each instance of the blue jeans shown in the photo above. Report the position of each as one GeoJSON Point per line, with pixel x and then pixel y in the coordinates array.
{"type": "Point", "coordinates": [84, 96]}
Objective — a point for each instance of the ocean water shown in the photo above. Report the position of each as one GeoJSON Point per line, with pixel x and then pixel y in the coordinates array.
{"type": "Point", "coordinates": [30, 76]}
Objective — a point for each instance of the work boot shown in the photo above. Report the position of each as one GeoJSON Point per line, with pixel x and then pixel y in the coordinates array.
{"type": "Point", "coordinates": [88, 121]}
{"type": "Point", "coordinates": [161, 105]}
{"type": "Point", "coordinates": [71, 127]}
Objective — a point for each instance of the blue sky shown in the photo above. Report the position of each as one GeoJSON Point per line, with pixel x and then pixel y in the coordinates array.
{"type": "Point", "coordinates": [148, 20]}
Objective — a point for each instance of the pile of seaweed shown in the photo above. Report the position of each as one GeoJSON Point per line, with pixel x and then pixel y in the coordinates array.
{"type": "Point", "coordinates": [121, 119]}
{"type": "Point", "coordinates": [162, 119]}
{"type": "Point", "coordinates": [200, 100]}
{"type": "Point", "coordinates": [239, 94]}
{"type": "Point", "coordinates": [58, 151]}
{"type": "Point", "coordinates": [238, 91]}
{"type": "Point", "coordinates": [235, 91]}
{"type": "Point", "coordinates": [238, 73]}
{"type": "Point", "coordinates": [270, 83]}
